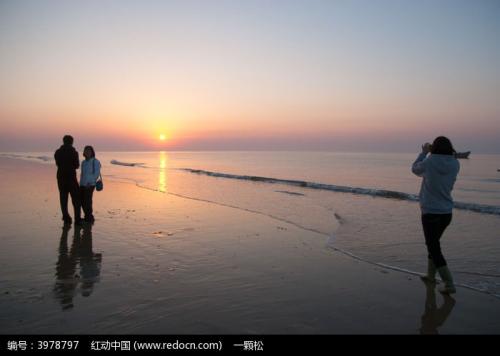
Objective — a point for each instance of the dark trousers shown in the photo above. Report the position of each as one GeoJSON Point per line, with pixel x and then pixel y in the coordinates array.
{"type": "Point", "coordinates": [69, 187]}
{"type": "Point", "coordinates": [434, 226]}
{"type": "Point", "coordinates": [86, 193]}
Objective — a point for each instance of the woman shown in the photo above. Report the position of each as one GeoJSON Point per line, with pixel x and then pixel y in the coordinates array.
{"type": "Point", "coordinates": [91, 170]}
{"type": "Point", "coordinates": [439, 172]}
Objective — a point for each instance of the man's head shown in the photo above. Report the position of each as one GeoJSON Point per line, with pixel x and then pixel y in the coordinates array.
{"type": "Point", "coordinates": [68, 140]}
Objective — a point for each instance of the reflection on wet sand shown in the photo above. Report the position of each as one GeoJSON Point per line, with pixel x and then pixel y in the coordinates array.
{"type": "Point", "coordinates": [435, 317]}
{"type": "Point", "coordinates": [81, 255]}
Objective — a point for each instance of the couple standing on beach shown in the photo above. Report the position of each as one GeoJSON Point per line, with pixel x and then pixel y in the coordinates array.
{"type": "Point", "coordinates": [67, 161]}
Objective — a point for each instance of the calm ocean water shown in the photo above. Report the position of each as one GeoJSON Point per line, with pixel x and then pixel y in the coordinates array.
{"type": "Point", "coordinates": [362, 203]}
{"type": "Point", "coordinates": [478, 181]}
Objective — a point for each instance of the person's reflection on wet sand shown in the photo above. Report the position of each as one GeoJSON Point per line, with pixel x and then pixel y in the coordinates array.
{"type": "Point", "coordinates": [67, 278]}
{"type": "Point", "coordinates": [90, 262]}
{"type": "Point", "coordinates": [435, 317]}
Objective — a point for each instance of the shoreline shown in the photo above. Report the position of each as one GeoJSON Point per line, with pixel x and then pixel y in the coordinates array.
{"type": "Point", "coordinates": [173, 265]}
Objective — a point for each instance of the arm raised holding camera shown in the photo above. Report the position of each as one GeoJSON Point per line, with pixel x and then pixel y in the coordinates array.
{"type": "Point", "coordinates": [418, 167]}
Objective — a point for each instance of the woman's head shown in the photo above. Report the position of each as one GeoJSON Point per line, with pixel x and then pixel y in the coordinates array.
{"type": "Point", "coordinates": [442, 146]}
{"type": "Point", "coordinates": [88, 152]}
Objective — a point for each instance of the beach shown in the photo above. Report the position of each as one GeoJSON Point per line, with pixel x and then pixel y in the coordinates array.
{"type": "Point", "coordinates": [158, 262]}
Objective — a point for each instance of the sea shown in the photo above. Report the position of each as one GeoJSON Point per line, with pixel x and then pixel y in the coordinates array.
{"type": "Point", "coordinates": [364, 205]}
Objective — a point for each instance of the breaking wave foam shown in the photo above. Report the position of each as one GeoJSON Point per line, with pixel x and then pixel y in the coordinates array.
{"type": "Point", "coordinates": [479, 208]}
{"type": "Point", "coordinates": [127, 164]}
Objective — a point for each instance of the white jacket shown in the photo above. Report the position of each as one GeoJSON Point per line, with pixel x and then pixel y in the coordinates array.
{"type": "Point", "coordinates": [90, 171]}
{"type": "Point", "coordinates": [439, 173]}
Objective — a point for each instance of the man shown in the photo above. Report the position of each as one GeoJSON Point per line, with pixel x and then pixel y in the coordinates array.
{"type": "Point", "coordinates": [67, 162]}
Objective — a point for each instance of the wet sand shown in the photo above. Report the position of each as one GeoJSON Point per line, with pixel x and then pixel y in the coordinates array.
{"type": "Point", "coordinates": [158, 263]}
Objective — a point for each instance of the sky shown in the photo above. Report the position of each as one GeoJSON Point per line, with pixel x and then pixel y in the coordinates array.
{"type": "Point", "coordinates": [250, 75]}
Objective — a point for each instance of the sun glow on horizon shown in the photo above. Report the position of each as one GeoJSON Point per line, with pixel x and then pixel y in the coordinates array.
{"type": "Point", "coordinates": [256, 75]}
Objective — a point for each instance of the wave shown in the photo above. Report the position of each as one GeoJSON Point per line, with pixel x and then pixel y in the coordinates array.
{"type": "Point", "coordinates": [289, 193]}
{"type": "Point", "coordinates": [145, 187]}
{"type": "Point", "coordinates": [390, 194]}
{"type": "Point", "coordinates": [19, 156]}
{"type": "Point", "coordinates": [330, 242]}
{"type": "Point", "coordinates": [491, 180]}
{"type": "Point", "coordinates": [41, 158]}
{"type": "Point", "coordinates": [127, 164]}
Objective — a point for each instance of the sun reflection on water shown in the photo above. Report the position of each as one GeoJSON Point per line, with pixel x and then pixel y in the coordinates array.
{"type": "Point", "coordinates": [162, 175]}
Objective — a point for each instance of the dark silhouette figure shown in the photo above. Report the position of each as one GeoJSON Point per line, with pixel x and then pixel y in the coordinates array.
{"type": "Point", "coordinates": [435, 317]}
{"type": "Point", "coordinates": [68, 276]}
{"type": "Point", "coordinates": [67, 162]}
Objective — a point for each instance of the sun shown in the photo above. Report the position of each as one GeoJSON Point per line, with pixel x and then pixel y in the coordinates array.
{"type": "Point", "coordinates": [163, 137]}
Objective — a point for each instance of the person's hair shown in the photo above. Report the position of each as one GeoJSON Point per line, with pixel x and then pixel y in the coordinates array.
{"type": "Point", "coordinates": [91, 149]}
{"type": "Point", "coordinates": [442, 146]}
{"type": "Point", "coordinates": [68, 140]}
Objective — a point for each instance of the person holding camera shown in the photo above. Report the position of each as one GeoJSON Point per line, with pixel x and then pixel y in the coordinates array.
{"type": "Point", "coordinates": [439, 171]}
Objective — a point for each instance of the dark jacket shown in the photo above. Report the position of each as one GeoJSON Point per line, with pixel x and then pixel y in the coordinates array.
{"type": "Point", "coordinates": [67, 162]}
